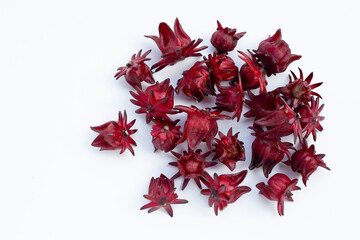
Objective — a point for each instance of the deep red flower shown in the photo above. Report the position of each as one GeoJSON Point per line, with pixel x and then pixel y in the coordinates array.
{"type": "Point", "coordinates": [283, 122]}
{"type": "Point", "coordinates": [252, 74]}
{"type": "Point", "coordinates": [165, 134]}
{"type": "Point", "coordinates": [268, 152]}
{"type": "Point", "coordinates": [156, 101]}
{"type": "Point", "coordinates": [191, 165]}
{"type": "Point", "coordinates": [162, 194]}
{"type": "Point", "coordinates": [310, 117]}
{"type": "Point", "coordinates": [225, 39]}
{"type": "Point", "coordinates": [221, 68]}
{"type": "Point", "coordinates": [299, 91]}
{"type": "Point", "coordinates": [162, 90]}
{"type": "Point", "coordinates": [263, 104]}
{"type": "Point", "coordinates": [223, 190]}
{"type": "Point", "coordinates": [196, 82]}
{"type": "Point", "coordinates": [200, 125]}
{"type": "Point", "coordinates": [115, 135]}
{"type": "Point", "coordinates": [229, 149]}
{"type": "Point", "coordinates": [279, 189]}
{"type": "Point", "coordinates": [305, 161]}
{"type": "Point", "coordinates": [275, 54]}
{"type": "Point", "coordinates": [230, 99]}
{"type": "Point", "coordinates": [175, 45]}
{"type": "Point", "coordinates": [136, 70]}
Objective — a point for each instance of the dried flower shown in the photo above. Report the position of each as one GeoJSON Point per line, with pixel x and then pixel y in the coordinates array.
{"type": "Point", "coordinates": [230, 99]}
{"type": "Point", "coordinates": [223, 190]}
{"type": "Point", "coordinates": [268, 152]}
{"type": "Point", "coordinates": [252, 74]}
{"type": "Point", "coordinates": [229, 149]}
{"type": "Point", "coordinates": [283, 122]}
{"type": "Point", "coordinates": [279, 189]}
{"type": "Point", "coordinates": [191, 165]}
{"type": "Point", "coordinates": [305, 161]}
{"type": "Point", "coordinates": [115, 135]}
{"type": "Point", "coordinates": [225, 39]}
{"type": "Point", "coordinates": [221, 68]}
{"type": "Point", "coordinates": [162, 194]}
{"type": "Point", "coordinates": [136, 70]}
{"type": "Point", "coordinates": [310, 117]}
{"type": "Point", "coordinates": [299, 91]}
{"type": "Point", "coordinates": [196, 82]}
{"type": "Point", "coordinates": [165, 134]}
{"type": "Point", "coordinates": [200, 125]}
{"type": "Point", "coordinates": [275, 54]}
{"type": "Point", "coordinates": [156, 102]}
{"type": "Point", "coordinates": [175, 45]}
{"type": "Point", "coordinates": [263, 104]}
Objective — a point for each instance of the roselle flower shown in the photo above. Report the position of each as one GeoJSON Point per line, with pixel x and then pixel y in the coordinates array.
{"type": "Point", "coordinates": [229, 149]}
{"type": "Point", "coordinates": [283, 122]}
{"type": "Point", "coordinates": [223, 190]}
{"type": "Point", "coordinates": [305, 161]}
{"type": "Point", "coordinates": [165, 134]}
{"type": "Point", "coordinates": [196, 82]}
{"type": "Point", "coordinates": [115, 135]}
{"type": "Point", "coordinates": [279, 189]}
{"type": "Point", "coordinates": [230, 99]}
{"type": "Point", "coordinates": [252, 74]}
{"type": "Point", "coordinates": [191, 165]}
{"type": "Point", "coordinates": [263, 104]}
{"type": "Point", "coordinates": [175, 45]}
{"type": "Point", "coordinates": [275, 54]}
{"type": "Point", "coordinates": [156, 102]}
{"type": "Point", "coordinates": [268, 152]}
{"type": "Point", "coordinates": [225, 39]}
{"type": "Point", "coordinates": [299, 91]}
{"type": "Point", "coordinates": [162, 194]}
{"type": "Point", "coordinates": [162, 90]}
{"type": "Point", "coordinates": [221, 68]}
{"type": "Point", "coordinates": [200, 125]}
{"type": "Point", "coordinates": [136, 70]}
{"type": "Point", "coordinates": [310, 117]}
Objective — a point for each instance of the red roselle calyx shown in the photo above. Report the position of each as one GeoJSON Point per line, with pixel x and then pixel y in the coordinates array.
{"type": "Point", "coordinates": [268, 152]}
{"type": "Point", "coordinates": [279, 189]}
{"type": "Point", "coordinates": [136, 70]}
{"type": "Point", "coordinates": [230, 99]}
{"type": "Point", "coordinates": [156, 102]}
{"type": "Point", "coordinates": [275, 54]}
{"type": "Point", "coordinates": [115, 135]}
{"type": "Point", "coordinates": [196, 82]}
{"type": "Point", "coordinates": [223, 190]}
{"type": "Point", "coordinates": [162, 194]}
{"type": "Point", "coordinates": [200, 125]}
{"type": "Point", "coordinates": [305, 161]}
{"type": "Point", "coordinates": [221, 68]}
{"type": "Point", "coordinates": [175, 45]}
{"type": "Point", "coordinates": [229, 149]}
{"type": "Point", "coordinates": [299, 91]}
{"type": "Point", "coordinates": [162, 90]}
{"type": "Point", "coordinates": [283, 122]}
{"type": "Point", "coordinates": [252, 74]}
{"type": "Point", "coordinates": [165, 134]}
{"type": "Point", "coordinates": [310, 117]}
{"type": "Point", "coordinates": [263, 104]}
{"type": "Point", "coordinates": [191, 165]}
{"type": "Point", "coordinates": [225, 39]}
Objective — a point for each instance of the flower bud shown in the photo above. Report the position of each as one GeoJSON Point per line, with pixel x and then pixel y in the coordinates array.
{"type": "Point", "coordinates": [225, 39]}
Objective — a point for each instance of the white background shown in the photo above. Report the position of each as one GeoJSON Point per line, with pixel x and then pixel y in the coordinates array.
{"type": "Point", "coordinates": [57, 61]}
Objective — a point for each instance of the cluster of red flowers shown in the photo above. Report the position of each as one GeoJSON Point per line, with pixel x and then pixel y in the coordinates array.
{"type": "Point", "coordinates": [293, 109]}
